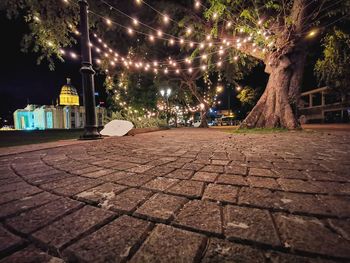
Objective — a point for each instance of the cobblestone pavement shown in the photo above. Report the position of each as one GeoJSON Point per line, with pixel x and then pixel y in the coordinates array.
{"type": "Point", "coordinates": [185, 195]}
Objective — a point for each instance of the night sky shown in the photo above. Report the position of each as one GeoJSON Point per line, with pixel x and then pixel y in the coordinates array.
{"type": "Point", "coordinates": [22, 80]}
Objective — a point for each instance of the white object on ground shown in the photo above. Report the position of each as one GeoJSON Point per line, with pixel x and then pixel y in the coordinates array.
{"type": "Point", "coordinates": [196, 124]}
{"type": "Point", "coordinates": [117, 128]}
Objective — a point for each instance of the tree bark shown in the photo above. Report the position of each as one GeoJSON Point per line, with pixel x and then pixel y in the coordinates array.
{"type": "Point", "coordinates": [278, 105]}
{"type": "Point", "coordinates": [273, 108]}
{"type": "Point", "coordinates": [204, 122]}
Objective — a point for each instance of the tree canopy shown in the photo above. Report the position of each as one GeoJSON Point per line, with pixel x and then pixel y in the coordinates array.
{"type": "Point", "coordinates": [333, 68]}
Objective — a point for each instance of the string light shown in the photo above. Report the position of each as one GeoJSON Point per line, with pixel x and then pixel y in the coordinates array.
{"type": "Point", "coordinates": [108, 21]}
{"type": "Point", "coordinates": [135, 22]}
{"type": "Point", "coordinates": [166, 19]}
{"type": "Point", "coordinates": [73, 55]}
{"type": "Point", "coordinates": [130, 31]}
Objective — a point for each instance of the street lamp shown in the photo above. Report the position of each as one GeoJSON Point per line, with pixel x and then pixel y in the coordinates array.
{"type": "Point", "coordinates": [166, 94]}
{"type": "Point", "coordinates": [87, 72]}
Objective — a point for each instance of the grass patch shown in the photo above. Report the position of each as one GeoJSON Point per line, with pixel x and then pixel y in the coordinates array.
{"type": "Point", "coordinates": [259, 130]}
{"type": "Point", "coordinates": [15, 138]}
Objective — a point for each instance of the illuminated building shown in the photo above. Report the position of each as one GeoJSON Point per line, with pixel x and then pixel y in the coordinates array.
{"type": "Point", "coordinates": [67, 115]}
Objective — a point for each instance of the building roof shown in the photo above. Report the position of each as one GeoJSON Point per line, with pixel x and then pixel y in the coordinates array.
{"type": "Point", "coordinates": [68, 89]}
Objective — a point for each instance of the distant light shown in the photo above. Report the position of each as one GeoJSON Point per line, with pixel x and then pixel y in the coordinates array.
{"type": "Point", "coordinates": [312, 33]}
{"type": "Point", "coordinates": [108, 21]}
{"type": "Point", "coordinates": [73, 55]}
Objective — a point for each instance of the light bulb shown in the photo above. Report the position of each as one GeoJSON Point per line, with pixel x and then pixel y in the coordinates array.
{"type": "Point", "coordinates": [130, 31]}
{"type": "Point", "coordinates": [166, 19]}
{"type": "Point", "coordinates": [108, 21]}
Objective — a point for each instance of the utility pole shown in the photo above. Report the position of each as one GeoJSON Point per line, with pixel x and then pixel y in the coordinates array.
{"type": "Point", "coordinates": [87, 72]}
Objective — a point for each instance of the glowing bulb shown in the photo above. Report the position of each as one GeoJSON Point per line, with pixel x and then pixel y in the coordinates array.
{"type": "Point", "coordinates": [172, 41]}
{"type": "Point", "coordinates": [151, 38]}
{"type": "Point", "coordinates": [112, 63]}
{"type": "Point", "coordinates": [62, 52]}
{"type": "Point", "coordinates": [73, 55]}
{"type": "Point", "coordinates": [221, 52]}
{"type": "Point", "coordinates": [215, 15]}
{"type": "Point", "coordinates": [201, 46]}
{"type": "Point", "coordinates": [312, 33]}
{"type": "Point", "coordinates": [177, 71]}
{"type": "Point", "coordinates": [166, 71]}
{"type": "Point", "coordinates": [155, 63]}
{"type": "Point", "coordinates": [189, 31]}
{"type": "Point", "coordinates": [166, 19]}
{"type": "Point", "coordinates": [204, 56]}
{"type": "Point", "coordinates": [138, 2]}
{"type": "Point", "coordinates": [235, 58]}
{"type": "Point", "coordinates": [208, 37]}
{"type": "Point", "coordinates": [49, 43]}
{"type": "Point", "coordinates": [197, 4]}
{"type": "Point", "coordinates": [98, 50]}
{"type": "Point", "coordinates": [219, 64]}
{"type": "Point", "coordinates": [37, 19]}
{"type": "Point", "coordinates": [190, 70]}
{"type": "Point", "coordinates": [159, 33]}
{"type": "Point", "coordinates": [108, 21]}
{"type": "Point", "coordinates": [191, 44]}
{"type": "Point", "coordinates": [203, 67]}
{"type": "Point", "coordinates": [182, 41]}
{"type": "Point", "coordinates": [135, 21]}
{"type": "Point", "coordinates": [130, 31]}
{"type": "Point", "coordinates": [229, 24]}
{"type": "Point", "coordinates": [260, 22]}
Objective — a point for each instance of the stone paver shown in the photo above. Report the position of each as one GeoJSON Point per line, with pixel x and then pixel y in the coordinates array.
{"type": "Point", "coordinates": [33, 220]}
{"type": "Point", "coordinates": [64, 231]}
{"type": "Point", "coordinates": [161, 207]}
{"type": "Point", "coordinates": [181, 195]}
{"type": "Point", "coordinates": [8, 241]}
{"type": "Point", "coordinates": [223, 193]}
{"type": "Point", "coordinates": [249, 224]}
{"type": "Point", "coordinates": [201, 216]}
{"type": "Point", "coordinates": [31, 255]}
{"type": "Point", "coordinates": [112, 243]}
{"type": "Point", "coordinates": [168, 244]}
{"type": "Point", "coordinates": [224, 251]}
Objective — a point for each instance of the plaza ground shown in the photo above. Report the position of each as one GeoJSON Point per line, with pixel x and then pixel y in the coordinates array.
{"type": "Point", "coordinates": [17, 138]}
{"type": "Point", "coordinates": [181, 195]}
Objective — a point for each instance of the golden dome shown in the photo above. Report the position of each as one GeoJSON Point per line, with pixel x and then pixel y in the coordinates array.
{"type": "Point", "coordinates": [69, 94]}
{"type": "Point", "coordinates": [68, 89]}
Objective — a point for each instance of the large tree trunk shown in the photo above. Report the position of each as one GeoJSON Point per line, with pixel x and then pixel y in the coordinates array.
{"type": "Point", "coordinates": [278, 104]}
{"type": "Point", "coordinates": [204, 122]}
{"type": "Point", "coordinates": [273, 108]}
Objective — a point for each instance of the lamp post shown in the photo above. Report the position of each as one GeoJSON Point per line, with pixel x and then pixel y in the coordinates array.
{"type": "Point", "coordinates": [166, 94]}
{"type": "Point", "coordinates": [87, 72]}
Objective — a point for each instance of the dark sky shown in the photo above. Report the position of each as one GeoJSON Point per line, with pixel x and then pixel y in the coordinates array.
{"type": "Point", "coordinates": [22, 80]}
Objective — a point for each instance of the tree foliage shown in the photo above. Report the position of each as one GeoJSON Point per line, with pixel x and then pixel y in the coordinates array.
{"type": "Point", "coordinates": [333, 69]}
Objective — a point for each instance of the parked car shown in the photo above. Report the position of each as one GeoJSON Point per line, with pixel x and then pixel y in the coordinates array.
{"type": "Point", "coordinates": [226, 121]}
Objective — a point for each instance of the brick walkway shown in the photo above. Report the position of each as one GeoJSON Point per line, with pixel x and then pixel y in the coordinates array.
{"type": "Point", "coordinates": [186, 195]}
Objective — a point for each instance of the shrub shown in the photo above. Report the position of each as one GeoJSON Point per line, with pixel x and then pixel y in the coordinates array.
{"type": "Point", "coordinates": [138, 121]}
